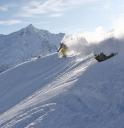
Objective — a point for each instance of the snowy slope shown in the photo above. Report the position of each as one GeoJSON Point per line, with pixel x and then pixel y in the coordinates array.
{"type": "Point", "coordinates": [76, 92]}
{"type": "Point", "coordinates": [63, 93]}
{"type": "Point", "coordinates": [26, 43]}
{"type": "Point", "coordinates": [35, 85]}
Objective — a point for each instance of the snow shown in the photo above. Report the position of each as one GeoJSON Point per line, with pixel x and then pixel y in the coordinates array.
{"type": "Point", "coordinates": [77, 43]}
{"type": "Point", "coordinates": [72, 92]}
{"type": "Point", "coordinates": [25, 44]}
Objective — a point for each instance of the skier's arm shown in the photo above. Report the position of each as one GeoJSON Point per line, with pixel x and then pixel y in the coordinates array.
{"type": "Point", "coordinates": [59, 48]}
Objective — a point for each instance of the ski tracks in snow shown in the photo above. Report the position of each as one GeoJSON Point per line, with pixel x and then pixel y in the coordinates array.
{"type": "Point", "coordinates": [32, 110]}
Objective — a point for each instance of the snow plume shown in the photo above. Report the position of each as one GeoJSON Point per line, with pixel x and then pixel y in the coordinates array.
{"type": "Point", "coordinates": [99, 40]}
{"type": "Point", "coordinates": [86, 43]}
{"type": "Point", "coordinates": [97, 35]}
{"type": "Point", "coordinates": [112, 41]}
{"type": "Point", "coordinates": [77, 44]}
{"type": "Point", "coordinates": [107, 46]}
{"type": "Point", "coordinates": [106, 43]}
{"type": "Point", "coordinates": [101, 33]}
{"type": "Point", "coordinates": [118, 28]}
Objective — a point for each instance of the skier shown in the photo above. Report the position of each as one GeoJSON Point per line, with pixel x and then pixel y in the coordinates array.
{"type": "Point", "coordinates": [63, 50]}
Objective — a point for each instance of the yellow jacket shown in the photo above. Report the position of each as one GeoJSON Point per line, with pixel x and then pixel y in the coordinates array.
{"type": "Point", "coordinates": [63, 50]}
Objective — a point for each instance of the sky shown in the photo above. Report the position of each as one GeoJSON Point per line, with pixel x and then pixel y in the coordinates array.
{"type": "Point", "coordinates": [68, 16]}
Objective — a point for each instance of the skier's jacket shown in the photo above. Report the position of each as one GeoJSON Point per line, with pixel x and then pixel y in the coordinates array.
{"type": "Point", "coordinates": [63, 49]}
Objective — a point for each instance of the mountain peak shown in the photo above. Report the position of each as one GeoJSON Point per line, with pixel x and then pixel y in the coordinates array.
{"type": "Point", "coordinates": [30, 26]}
{"type": "Point", "coordinates": [29, 29]}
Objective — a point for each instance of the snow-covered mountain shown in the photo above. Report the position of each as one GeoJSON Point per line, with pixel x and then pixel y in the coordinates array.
{"type": "Point", "coordinates": [25, 44]}
{"type": "Point", "coordinates": [75, 92]}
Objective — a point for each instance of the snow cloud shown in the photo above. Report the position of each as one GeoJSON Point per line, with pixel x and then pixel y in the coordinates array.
{"type": "Point", "coordinates": [99, 40]}
{"type": "Point", "coordinates": [77, 44]}
{"type": "Point", "coordinates": [99, 34]}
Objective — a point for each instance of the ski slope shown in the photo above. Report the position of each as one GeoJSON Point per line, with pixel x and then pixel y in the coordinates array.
{"type": "Point", "coordinates": [56, 92]}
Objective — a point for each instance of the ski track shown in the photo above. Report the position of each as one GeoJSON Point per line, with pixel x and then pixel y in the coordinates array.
{"type": "Point", "coordinates": [32, 110]}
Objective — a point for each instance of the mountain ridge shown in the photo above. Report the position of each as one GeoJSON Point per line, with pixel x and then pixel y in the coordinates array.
{"type": "Point", "coordinates": [26, 43]}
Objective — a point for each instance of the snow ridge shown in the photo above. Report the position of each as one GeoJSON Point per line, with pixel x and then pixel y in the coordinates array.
{"type": "Point", "coordinates": [25, 44]}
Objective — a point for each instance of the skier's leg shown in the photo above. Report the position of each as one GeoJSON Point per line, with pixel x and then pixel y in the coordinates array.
{"type": "Point", "coordinates": [64, 53]}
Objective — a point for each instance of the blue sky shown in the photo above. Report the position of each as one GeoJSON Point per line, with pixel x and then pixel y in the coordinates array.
{"type": "Point", "coordinates": [60, 15]}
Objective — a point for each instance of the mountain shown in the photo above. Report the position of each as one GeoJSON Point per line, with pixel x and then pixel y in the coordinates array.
{"type": "Point", "coordinates": [76, 92]}
{"type": "Point", "coordinates": [25, 44]}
